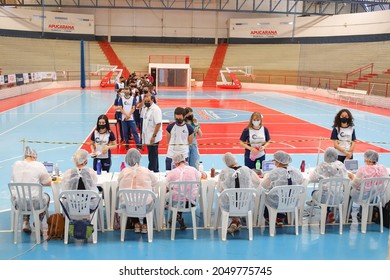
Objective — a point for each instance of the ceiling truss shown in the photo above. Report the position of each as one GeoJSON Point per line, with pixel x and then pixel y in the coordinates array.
{"type": "Point", "coordinates": [300, 7]}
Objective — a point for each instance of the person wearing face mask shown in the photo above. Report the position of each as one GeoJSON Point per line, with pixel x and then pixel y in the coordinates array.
{"type": "Point", "coordinates": [343, 135]}
{"type": "Point", "coordinates": [103, 140]}
{"type": "Point", "coordinates": [193, 157]}
{"type": "Point", "coordinates": [255, 138]}
{"type": "Point", "coordinates": [127, 107]}
{"type": "Point", "coordinates": [151, 130]}
{"type": "Point", "coordinates": [179, 137]}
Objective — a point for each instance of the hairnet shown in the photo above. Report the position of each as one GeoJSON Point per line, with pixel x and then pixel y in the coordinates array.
{"type": "Point", "coordinates": [282, 157]}
{"type": "Point", "coordinates": [28, 152]}
{"type": "Point", "coordinates": [133, 157]}
{"type": "Point", "coordinates": [330, 155]}
{"type": "Point", "coordinates": [177, 158]}
{"type": "Point", "coordinates": [229, 159]}
{"type": "Point", "coordinates": [80, 157]}
{"type": "Point", "coordinates": [371, 155]}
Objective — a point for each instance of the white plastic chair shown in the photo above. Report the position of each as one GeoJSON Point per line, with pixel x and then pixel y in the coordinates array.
{"type": "Point", "coordinates": [372, 193]}
{"type": "Point", "coordinates": [23, 203]}
{"type": "Point", "coordinates": [188, 195]}
{"type": "Point", "coordinates": [238, 203]}
{"type": "Point", "coordinates": [330, 194]}
{"type": "Point", "coordinates": [79, 204]}
{"type": "Point", "coordinates": [137, 204]}
{"type": "Point", "coordinates": [288, 197]}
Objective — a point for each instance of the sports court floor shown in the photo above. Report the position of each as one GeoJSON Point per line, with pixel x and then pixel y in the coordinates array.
{"type": "Point", "coordinates": [57, 122]}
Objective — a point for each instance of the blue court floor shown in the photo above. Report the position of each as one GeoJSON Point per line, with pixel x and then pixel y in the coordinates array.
{"type": "Point", "coordinates": [70, 116]}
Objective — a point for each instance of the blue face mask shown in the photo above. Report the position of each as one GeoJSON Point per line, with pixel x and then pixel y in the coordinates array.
{"type": "Point", "coordinates": [179, 121]}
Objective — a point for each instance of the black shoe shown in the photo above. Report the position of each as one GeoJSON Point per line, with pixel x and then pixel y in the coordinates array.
{"type": "Point", "coordinates": [182, 224]}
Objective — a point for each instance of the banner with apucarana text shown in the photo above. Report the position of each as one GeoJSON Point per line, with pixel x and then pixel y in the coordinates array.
{"type": "Point", "coordinates": [311, 26]}
{"type": "Point", "coordinates": [39, 21]}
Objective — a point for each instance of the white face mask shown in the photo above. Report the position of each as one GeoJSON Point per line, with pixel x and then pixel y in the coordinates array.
{"type": "Point", "coordinates": [256, 123]}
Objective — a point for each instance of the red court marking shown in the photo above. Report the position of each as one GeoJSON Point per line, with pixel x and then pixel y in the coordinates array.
{"type": "Point", "coordinates": [290, 134]}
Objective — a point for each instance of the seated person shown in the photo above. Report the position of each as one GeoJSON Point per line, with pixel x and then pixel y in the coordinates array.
{"type": "Point", "coordinates": [281, 175]}
{"type": "Point", "coordinates": [183, 172]}
{"type": "Point", "coordinates": [136, 177]}
{"type": "Point", "coordinates": [30, 170]}
{"type": "Point", "coordinates": [330, 168]}
{"type": "Point", "coordinates": [235, 176]}
{"type": "Point", "coordinates": [80, 177]}
{"type": "Point", "coordinates": [371, 169]}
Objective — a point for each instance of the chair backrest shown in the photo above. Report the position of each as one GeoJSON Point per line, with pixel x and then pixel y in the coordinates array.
{"type": "Point", "coordinates": [27, 196]}
{"type": "Point", "coordinates": [79, 203]}
{"type": "Point", "coordinates": [137, 203]}
{"type": "Point", "coordinates": [288, 196]}
{"type": "Point", "coordinates": [239, 201]}
{"type": "Point", "coordinates": [183, 194]}
{"type": "Point", "coordinates": [373, 190]}
{"type": "Point", "coordinates": [331, 190]}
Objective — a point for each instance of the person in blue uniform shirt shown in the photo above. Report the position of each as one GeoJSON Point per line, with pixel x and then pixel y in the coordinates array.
{"type": "Point", "coordinates": [103, 140]}
{"type": "Point", "coordinates": [255, 138]}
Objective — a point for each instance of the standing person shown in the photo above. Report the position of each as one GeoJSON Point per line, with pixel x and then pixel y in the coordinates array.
{"type": "Point", "coordinates": [30, 170]}
{"type": "Point", "coordinates": [193, 157]}
{"type": "Point", "coordinates": [255, 138]}
{"type": "Point", "coordinates": [179, 137]}
{"type": "Point", "coordinates": [151, 130]}
{"type": "Point", "coordinates": [103, 140]}
{"type": "Point", "coordinates": [137, 177]}
{"type": "Point", "coordinates": [118, 113]}
{"type": "Point", "coordinates": [235, 176]}
{"type": "Point", "coordinates": [121, 83]}
{"type": "Point", "coordinates": [127, 107]}
{"type": "Point", "coordinates": [183, 172]}
{"type": "Point", "coordinates": [343, 134]}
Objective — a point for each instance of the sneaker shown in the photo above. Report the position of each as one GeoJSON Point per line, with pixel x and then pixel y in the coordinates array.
{"type": "Point", "coordinates": [144, 228]}
{"type": "Point", "coordinates": [182, 224]}
{"type": "Point", "coordinates": [330, 218]}
{"type": "Point", "coordinates": [137, 228]}
{"type": "Point", "coordinates": [26, 227]}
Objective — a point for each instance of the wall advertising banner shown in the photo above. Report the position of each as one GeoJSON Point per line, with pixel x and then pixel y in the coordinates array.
{"type": "Point", "coordinates": [19, 79]}
{"type": "Point", "coordinates": [11, 78]}
{"type": "Point", "coordinates": [25, 78]}
{"type": "Point", "coordinates": [2, 80]}
{"type": "Point", "coordinates": [32, 20]}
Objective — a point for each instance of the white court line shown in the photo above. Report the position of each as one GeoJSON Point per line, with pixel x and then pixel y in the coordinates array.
{"type": "Point", "coordinates": [39, 115]}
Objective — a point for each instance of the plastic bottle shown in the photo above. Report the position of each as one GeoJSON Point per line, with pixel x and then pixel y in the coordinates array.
{"type": "Point", "coordinates": [303, 166]}
{"type": "Point", "coordinates": [98, 167]}
{"type": "Point", "coordinates": [123, 166]}
{"type": "Point", "coordinates": [212, 172]}
{"type": "Point", "coordinates": [257, 164]}
{"type": "Point", "coordinates": [201, 168]}
{"type": "Point", "coordinates": [57, 170]}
